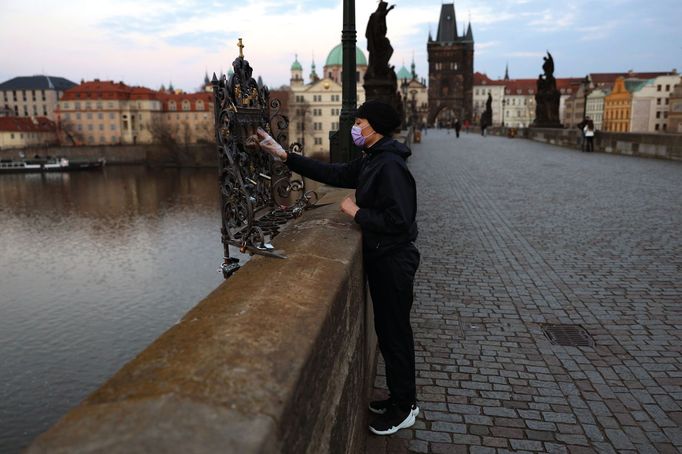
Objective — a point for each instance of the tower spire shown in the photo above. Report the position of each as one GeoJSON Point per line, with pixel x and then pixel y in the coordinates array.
{"type": "Point", "coordinates": [506, 72]}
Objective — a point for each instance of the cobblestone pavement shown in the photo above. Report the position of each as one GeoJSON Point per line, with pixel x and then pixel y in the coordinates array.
{"type": "Point", "coordinates": [515, 234]}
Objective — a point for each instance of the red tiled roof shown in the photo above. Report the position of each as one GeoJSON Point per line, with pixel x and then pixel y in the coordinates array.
{"type": "Point", "coordinates": [483, 79]}
{"type": "Point", "coordinates": [97, 89]}
{"type": "Point", "coordinates": [566, 85]}
{"type": "Point", "coordinates": [166, 98]}
{"type": "Point", "coordinates": [26, 124]}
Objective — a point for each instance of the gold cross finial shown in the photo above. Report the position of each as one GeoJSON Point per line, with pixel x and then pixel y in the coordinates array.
{"type": "Point", "coordinates": [241, 46]}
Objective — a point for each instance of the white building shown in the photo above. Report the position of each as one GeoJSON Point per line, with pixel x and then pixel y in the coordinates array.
{"type": "Point", "coordinates": [33, 96]}
{"type": "Point", "coordinates": [595, 106]}
{"type": "Point", "coordinates": [650, 104]}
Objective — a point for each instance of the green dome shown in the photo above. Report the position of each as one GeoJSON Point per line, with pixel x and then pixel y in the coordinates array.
{"type": "Point", "coordinates": [404, 74]}
{"type": "Point", "coordinates": [336, 57]}
{"type": "Point", "coordinates": [296, 66]}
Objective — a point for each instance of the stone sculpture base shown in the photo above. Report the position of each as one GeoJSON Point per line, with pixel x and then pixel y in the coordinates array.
{"type": "Point", "coordinates": [384, 90]}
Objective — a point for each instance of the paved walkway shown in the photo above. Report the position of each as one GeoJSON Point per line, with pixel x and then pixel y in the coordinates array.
{"type": "Point", "coordinates": [515, 234]}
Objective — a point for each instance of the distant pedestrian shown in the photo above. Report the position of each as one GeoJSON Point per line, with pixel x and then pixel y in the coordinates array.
{"type": "Point", "coordinates": [458, 127]}
{"type": "Point", "coordinates": [588, 134]}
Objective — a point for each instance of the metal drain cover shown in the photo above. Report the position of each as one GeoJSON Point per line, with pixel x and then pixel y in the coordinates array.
{"type": "Point", "coordinates": [568, 335]}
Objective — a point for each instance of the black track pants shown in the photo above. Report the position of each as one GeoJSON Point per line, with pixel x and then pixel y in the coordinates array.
{"type": "Point", "coordinates": [391, 283]}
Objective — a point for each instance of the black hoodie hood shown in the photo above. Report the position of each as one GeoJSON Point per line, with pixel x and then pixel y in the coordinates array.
{"type": "Point", "coordinates": [387, 144]}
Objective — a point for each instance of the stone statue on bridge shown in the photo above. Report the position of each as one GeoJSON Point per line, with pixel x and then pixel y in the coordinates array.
{"type": "Point", "coordinates": [381, 82]}
{"type": "Point", "coordinates": [378, 45]}
{"type": "Point", "coordinates": [487, 116]}
{"type": "Point", "coordinates": [547, 98]}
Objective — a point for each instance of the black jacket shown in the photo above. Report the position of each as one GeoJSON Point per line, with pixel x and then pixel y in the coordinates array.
{"type": "Point", "coordinates": [385, 191]}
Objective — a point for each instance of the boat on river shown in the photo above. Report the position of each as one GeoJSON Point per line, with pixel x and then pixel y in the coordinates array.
{"type": "Point", "coordinates": [39, 165]}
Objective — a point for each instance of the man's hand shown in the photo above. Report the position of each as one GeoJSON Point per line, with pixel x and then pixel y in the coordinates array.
{"type": "Point", "coordinates": [270, 145]}
{"type": "Point", "coordinates": [349, 207]}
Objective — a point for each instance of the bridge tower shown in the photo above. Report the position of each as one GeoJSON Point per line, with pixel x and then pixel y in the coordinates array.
{"type": "Point", "coordinates": [451, 70]}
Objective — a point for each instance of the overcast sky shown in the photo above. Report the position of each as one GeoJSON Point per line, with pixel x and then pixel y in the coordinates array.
{"type": "Point", "coordinates": [154, 42]}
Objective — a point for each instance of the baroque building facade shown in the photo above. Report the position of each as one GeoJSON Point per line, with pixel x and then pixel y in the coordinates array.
{"type": "Point", "coordinates": [451, 70]}
{"type": "Point", "coordinates": [314, 107]}
{"type": "Point", "coordinates": [111, 113]}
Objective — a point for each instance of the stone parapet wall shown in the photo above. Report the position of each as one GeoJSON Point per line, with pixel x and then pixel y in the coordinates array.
{"type": "Point", "coordinates": [663, 146]}
{"type": "Point", "coordinates": [279, 358]}
{"type": "Point", "coordinates": [192, 155]}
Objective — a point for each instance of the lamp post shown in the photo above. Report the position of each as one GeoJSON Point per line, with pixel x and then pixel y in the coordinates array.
{"type": "Point", "coordinates": [341, 141]}
{"type": "Point", "coordinates": [504, 103]}
{"type": "Point", "coordinates": [586, 86]}
{"type": "Point", "coordinates": [403, 91]}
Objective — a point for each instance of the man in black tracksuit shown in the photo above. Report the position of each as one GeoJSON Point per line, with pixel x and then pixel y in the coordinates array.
{"type": "Point", "coordinates": [385, 207]}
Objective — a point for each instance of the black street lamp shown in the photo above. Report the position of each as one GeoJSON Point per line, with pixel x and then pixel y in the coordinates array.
{"type": "Point", "coordinates": [341, 141]}
{"type": "Point", "coordinates": [586, 86]}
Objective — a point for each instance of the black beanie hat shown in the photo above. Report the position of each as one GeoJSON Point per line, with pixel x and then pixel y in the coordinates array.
{"type": "Point", "coordinates": [382, 117]}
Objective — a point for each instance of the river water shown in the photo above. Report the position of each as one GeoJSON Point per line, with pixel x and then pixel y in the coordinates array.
{"type": "Point", "coordinates": [93, 267]}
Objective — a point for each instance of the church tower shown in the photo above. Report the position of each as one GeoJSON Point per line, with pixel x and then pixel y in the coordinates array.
{"type": "Point", "coordinates": [451, 70]}
{"type": "Point", "coordinates": [296, 73]}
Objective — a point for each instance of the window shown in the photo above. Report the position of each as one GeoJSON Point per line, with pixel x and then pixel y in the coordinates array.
{"type": "Point", "coordinates": [110, 105]}
{"type": "Point", "coordinates": [318, 141]}
{"type": "Point", "coordinates": [42, 92]}
{"type": "Point", "coordinates": [79, 127]}
{"type": "Point", "coordinates": [658, 88]}
{"type": "Point", "coordinates": [113, 139]}
{"type": "Point", "coordinates": [89, 115]}
{"type": "Point", "coordinates": [77, 105]}
{"type": "Point", "coordinates": [101, 127]}
{"type": "Point", "coordinates": [90, 128]}
{"type": "Point", "coordinates": [658, 114]}
{"type": "Point", "coordinates": [658, 101]}
{"type": "Point", "coordinates": [67, 116]}
{"type": "Point", "coordinates": [113, 127]}
{"type": "Point", "coordinates": [102, 139]}
{"type": "Point", "coordinates": [23, 95]}
{"type": "Point", "coordinates": [99, 107]}
{"type": "Point", "coordinates": [88, 105]}
{"type": "Point", "coordinates": [171, 105]}
{"type": "Point", "coordinates": [667, 88]}
{"type": "Point", "coordinates": [657, 125]}
{"type": "Point", "coordinates": [100, 115]}
{"type": "Point", "coordinates": [111, 115]}
{"type": "Point", "coordinates": [35, 110]}
{"type": "Point", "coordinates": [185, 105]}
{"type": "Point", "coordinates": [667, 101]}
{"type": "Point", "coordinates": [44, 110]}
{"type": "Point", "coordinates": [200, 105]}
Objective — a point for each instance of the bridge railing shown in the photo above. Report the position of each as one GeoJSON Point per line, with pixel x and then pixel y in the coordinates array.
{"type": "Point", "coordinates": [279, 358]}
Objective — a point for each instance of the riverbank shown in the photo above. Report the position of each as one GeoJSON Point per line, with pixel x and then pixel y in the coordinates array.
{"type": "Point", "coordinates": [200, 155]}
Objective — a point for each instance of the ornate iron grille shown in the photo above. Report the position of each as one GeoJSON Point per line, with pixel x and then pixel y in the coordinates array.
{"type": "Point", "coordinates": [257, 192]}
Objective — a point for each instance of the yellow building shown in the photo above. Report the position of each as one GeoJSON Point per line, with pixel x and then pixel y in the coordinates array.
{"type": "Point", "coordinates": [187, 117]}
{"type": "Point", "coordinates": [105, 113]}
{"type": "Point", "coordinates": [618, 104]}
